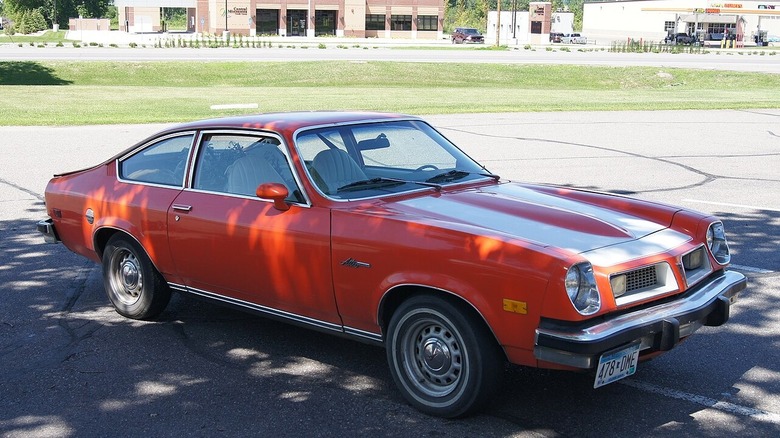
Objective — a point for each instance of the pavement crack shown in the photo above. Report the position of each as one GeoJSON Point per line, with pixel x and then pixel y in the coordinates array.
{"type": "Point", "coordinates": [80, 284]}
{"type": "Point", "coordinates": [37, 196]}
{"type": "Point", "coordinates": [708, 177]}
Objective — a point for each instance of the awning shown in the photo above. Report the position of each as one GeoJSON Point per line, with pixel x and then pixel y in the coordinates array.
{"type": "Point", "coordinates": [709, 18]}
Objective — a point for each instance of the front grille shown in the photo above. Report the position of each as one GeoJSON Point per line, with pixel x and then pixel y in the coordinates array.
{"type": "Point", "coordinates": [643, 283]}
{"type": "Point", "coordinates": [641, 278]}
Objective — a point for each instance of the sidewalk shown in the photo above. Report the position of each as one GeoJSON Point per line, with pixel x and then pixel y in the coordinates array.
{"type": "Point", "coordinates": [124, 39]}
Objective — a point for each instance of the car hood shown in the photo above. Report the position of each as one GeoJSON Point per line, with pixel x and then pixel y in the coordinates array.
{"type": "Point", "coordinates": [537, 215]}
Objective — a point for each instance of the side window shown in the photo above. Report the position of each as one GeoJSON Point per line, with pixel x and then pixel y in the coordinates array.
{"type": "Point", "coordinates": [163, 162]}
{"type": "Point", "coordinates": [237, 164]}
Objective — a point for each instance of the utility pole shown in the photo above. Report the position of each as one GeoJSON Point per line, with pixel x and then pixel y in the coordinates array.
{"type": "Point", "coordinates": [498, 23]}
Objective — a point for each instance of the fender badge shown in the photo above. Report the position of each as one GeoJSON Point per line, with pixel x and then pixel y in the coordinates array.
{"type": "Point", "coordinates": [352, 263]}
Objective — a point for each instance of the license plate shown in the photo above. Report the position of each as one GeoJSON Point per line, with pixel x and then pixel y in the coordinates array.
{"type": "Point", "coordinates": [617, 364]}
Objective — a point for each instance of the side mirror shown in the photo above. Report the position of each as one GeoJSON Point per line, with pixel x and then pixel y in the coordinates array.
{"type": "Point", "coordinates": [275, 192]}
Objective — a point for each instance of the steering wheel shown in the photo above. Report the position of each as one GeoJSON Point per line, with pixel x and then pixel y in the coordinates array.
{"type": "Point", "coordinates": [427, 166]}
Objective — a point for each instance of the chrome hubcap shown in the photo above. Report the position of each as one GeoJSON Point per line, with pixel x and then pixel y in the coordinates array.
{"type": "Point", "coordinates": [126, 277]}
{"type": "Point", "coordinates": [130, 275]}
{"type": "Point", "coordinates": [436, 356]}
{"type": "Point", "coordinates": [433, 359]}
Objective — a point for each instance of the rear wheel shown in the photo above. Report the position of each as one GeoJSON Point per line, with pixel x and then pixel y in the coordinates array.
{"type": "Point", "coordinates": [133, 285]}
{"type": "Point", "coordinates": [445, 362]}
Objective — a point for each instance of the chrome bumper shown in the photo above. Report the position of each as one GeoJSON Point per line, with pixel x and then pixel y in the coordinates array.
{"type": "Point", "coordinates": [658, 328]}
{"type": "Point", "coordinates": [46, 227]}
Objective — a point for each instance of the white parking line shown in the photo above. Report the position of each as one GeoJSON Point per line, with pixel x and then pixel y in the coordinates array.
{"type": "Point", "coordinates": [726, 204]}
{"type": "Point", "coordinates": [755, 414]}
{"type": "Point", "coordinates": [751, 269]}
{"type": "Point", "coordinates": [235, 106]}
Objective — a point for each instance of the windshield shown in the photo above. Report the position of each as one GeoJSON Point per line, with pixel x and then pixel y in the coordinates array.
{"type": "Point", "coordinates": [375, 159]}
{"type": "Point", "coordinates": [471, 31]}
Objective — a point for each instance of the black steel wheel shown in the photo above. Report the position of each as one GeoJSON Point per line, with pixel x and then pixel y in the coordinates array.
{"type": "Point", "coordinates": [133, 285]}
{"type": "Point", "coordinates": [445, 362]}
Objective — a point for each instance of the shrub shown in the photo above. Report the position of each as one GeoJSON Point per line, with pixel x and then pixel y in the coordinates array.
{"type": "Point", "coordinates": [133, 45]}
{"type": "Point", "coordinates": [321, 46]}
{"type": "Point", "coordinates": [31, 21]}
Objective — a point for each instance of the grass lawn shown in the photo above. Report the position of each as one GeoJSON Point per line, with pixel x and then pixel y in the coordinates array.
{"type": "Point", "coordinates": [71, 93]}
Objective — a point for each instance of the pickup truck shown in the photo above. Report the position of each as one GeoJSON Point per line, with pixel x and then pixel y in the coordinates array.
{"type": "Point", "coordinates": [573, 38]}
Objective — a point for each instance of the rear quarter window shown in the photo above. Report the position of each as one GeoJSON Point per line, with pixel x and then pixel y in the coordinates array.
{"type": "Point", "coordinates": [162, 162]}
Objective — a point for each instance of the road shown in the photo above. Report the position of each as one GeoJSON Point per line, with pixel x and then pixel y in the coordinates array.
{"type": "Point", "coordinates": [736, 60]}
{"type": "Point", "coordinates": [72, 367]}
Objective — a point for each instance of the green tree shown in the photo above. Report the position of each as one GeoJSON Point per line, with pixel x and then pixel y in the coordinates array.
{"type": "Point", "coordinates": [577, 6]}
{"type": "Point", "coordinates": [15, 8]}
{"type": "Point", "coordinates": [64, 9]}
{"type": "Point", "coordinates": [473, 13]}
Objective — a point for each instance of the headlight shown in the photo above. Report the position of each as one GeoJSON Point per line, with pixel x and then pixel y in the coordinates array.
{"type": "Point", "coordinates": [716, 242]}
{"type": "Point", "coordinates": [581, 288]}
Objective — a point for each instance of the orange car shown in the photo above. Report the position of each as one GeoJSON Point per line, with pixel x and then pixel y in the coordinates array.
{"type": "Point", "coordinates": [376, 227]}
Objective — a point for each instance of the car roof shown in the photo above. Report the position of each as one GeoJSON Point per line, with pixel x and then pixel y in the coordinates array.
{"type": "Point", "coordinates": [288, 121]}
{"type": "Point", "coordinates": [280, 122]}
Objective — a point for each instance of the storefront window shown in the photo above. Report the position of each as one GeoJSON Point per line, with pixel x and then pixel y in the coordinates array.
{"type": "Point", "coordinates": [427, 22]}
{"type": "Point", "coordinates": [296, 22]}
{"type": "Point", "coordinates": [325, 23]}
{"type": "Point", "coordinates": [375, 21]}
{"type": "Point", "coordinates": [401, 22]}
{"type": "Point", "coordinates": [267, 21]}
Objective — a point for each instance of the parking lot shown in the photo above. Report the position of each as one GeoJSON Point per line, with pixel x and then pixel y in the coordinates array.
{"type": "Point", "coordinates": [71, 366]}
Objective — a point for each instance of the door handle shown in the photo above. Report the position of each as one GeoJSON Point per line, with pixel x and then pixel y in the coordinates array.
{"type": "Point", "coordinates": [180, 207]}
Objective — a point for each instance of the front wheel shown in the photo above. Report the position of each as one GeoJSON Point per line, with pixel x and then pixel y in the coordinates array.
{"type": "Point", "coordinates": [445, 362]}
{"type": "Point", "coordinates": [133, 285]}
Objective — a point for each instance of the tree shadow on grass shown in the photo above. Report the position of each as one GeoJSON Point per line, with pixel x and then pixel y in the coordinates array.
{"type": "Point", "coordinates": [28, 73]}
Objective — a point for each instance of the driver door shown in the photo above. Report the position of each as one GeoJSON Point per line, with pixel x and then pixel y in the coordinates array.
{"type": "Point", "coordinates": [230, 245]}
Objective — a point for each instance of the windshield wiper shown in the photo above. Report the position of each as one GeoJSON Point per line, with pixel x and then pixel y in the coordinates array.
{"type": "Point", "coordinates": [370, 183]}
{"type": "Point", "coordinates": [450, 175]}
{"type": "Point", "coordinates": [455, 174]}
{"type": "Point", "coordinates": [381, 181]}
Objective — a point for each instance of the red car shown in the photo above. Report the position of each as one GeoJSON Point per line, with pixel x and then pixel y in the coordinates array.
{"type": "Point", "coordinates": [466, 35]}
{"type": "Point", "coordinates": [376, 227]}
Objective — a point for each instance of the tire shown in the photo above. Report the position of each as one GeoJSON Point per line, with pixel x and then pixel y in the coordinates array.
{"type": "Point", "coordinates": [444, 361]}
{"type": "Point", "coordinates": [133, 285]}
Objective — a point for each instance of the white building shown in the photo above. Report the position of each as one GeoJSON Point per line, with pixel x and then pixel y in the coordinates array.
{"type": "Point", "coordinates": [528, 27]}
{"type": "Point", "coordinates": [653, 20]}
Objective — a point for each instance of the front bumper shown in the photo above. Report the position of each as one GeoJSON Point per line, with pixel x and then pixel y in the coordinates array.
{"type": "Point", "coordinates": [658, 328]}
{"type": "Point", "coordinates": [46, 227]}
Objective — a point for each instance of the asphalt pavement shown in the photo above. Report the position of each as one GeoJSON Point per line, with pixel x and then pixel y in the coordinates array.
{"type": "Point", "coordinates": [71, 366]}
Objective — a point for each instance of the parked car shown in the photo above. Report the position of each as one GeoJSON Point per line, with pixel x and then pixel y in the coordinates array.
{"type": "Point", "coordinates": [555, 37]}
{"type": "Point", "coordinates": [680, 38]}
{"type": "Point", "coordinates": [573, 38]}
{"type": "Point", "coordinates": [467, 35]}
{"type": "Point", "coordinates": [376, 227]}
